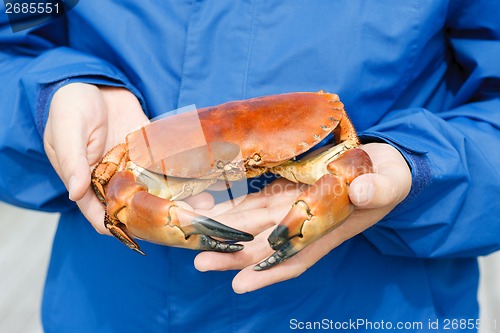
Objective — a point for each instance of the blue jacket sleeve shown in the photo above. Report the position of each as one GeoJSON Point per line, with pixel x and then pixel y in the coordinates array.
{"type": "Point", "coordinates": [31, 61]}
{"type": "Point", "coordinates": [453, 208]}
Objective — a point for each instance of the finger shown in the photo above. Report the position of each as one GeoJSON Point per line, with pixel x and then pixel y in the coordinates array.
{"type": "Point", "coordinates": [79, 181]}
{"type": "Point", "coordinates": [253, 252]}
{"type": "Point", "coordinates": [278, 193]}
{"type": "Point", "coordinates": [389, 185]}
{"type": "Point", "coordinates": [203, 200]}
{"type": "Point", "coordinates": [70, 159]}
{"type": "Point", "coordinates": [253, 221]}
{"type": "Point", "coordinates": [250, 280]}
{"type": "Point", "coordinates": [251, 201]}
{"type": "Point", "coordinates": [66, 139]}
{"type": "Point", "coordinates": [67, 154]}
{"type": "Point", "coordinates": [259, 248]}
{"type": "Point", "coordinates": [93, 211]}
{"type": "Point", "coordinates": [373, 191]}
{"type": "Point", "coordinates": [370, 191]}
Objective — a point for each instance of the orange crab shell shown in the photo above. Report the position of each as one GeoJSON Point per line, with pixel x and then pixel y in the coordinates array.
{"type": "Point", "coordinates": [263, 131]}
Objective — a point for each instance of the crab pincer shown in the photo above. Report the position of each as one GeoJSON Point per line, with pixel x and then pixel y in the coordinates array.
{"type": "Point", "coordinates": [321, 208]}
{"type": "Point", "coordinates": [133, 212]}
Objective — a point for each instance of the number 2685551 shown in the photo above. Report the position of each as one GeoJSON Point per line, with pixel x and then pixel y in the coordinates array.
{"type": "Point", "coordinates": [31, 8]}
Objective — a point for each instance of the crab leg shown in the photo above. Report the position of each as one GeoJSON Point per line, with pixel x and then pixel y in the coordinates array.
{"type": "Point", "coordinates": [132, 212]}
{"type": "Point", "coordinates": [321, 208]}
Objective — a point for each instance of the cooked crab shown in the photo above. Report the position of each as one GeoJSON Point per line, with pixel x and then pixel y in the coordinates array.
{"type": "Point", "coordinates": [243, 139]}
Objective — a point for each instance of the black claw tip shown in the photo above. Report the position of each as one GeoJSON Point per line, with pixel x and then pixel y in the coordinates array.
{"type": "Point", "coordinates": [278, 237]}
{"type": "Point", "coordinates": [211, 227]}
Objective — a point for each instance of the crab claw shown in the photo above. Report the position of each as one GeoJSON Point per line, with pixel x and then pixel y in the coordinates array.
{"type": "Point", "coordinates": [321, 208]}
{"type": "Point", "coordinates": [132, 212]}
{"type": "Point", "coordinates": [314, 213]}
{"type": "Point", "coordinates": [203, 229]}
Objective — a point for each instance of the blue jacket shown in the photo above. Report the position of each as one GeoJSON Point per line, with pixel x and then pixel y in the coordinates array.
{"type": "Point", "coordinates": [421, 75]}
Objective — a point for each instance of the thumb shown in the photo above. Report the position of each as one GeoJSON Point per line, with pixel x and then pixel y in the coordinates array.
{"type": "Point", "coordinates": [388, 186]}
{"type": "Point", "coordinates": [374, 191]}
{"type": "Point", "coordinates": [78, 176]}
{"type": "Point", "coordinates": [65, 142]}
{"type": "Point", "coordinates": [68, 157]}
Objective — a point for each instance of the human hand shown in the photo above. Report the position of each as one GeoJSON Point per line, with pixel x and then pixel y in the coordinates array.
{"type": "Point", "coordinates": [374, 196]}
{"type": "Point", "coordinates": [85, 121]}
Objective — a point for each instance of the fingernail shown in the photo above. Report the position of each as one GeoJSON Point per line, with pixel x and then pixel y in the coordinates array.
{"type": "Point", "coordinates": [364, 193]}
{"type": "Point", "coordinates": [71, 185]}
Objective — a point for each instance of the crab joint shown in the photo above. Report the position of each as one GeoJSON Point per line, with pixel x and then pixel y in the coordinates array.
{"type": "Point", "coordinates": [299, 215]}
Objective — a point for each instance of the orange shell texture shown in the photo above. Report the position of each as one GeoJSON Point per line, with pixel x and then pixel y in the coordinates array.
{"type": "Point", "coordinates": [276, 128]}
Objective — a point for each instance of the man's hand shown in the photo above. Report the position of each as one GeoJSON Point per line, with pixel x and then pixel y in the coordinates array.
{"type": "Point", "coordinates": [374, 196]}
{"type": "Point", "coordinates": [85, 121]}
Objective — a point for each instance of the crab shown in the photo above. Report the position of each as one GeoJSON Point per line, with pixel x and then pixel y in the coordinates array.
{"type": "Point", "coordinates": [140, 181]}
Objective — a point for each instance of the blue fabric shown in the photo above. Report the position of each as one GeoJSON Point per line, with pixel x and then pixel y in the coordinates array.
{"type": "Point", "coordinates": [421, 75]}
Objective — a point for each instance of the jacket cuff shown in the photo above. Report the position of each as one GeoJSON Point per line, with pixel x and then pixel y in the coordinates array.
{"type": "Point", "coordinates": [417, 162]}
{"type": "Point", "coordinates": [43, 104]}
